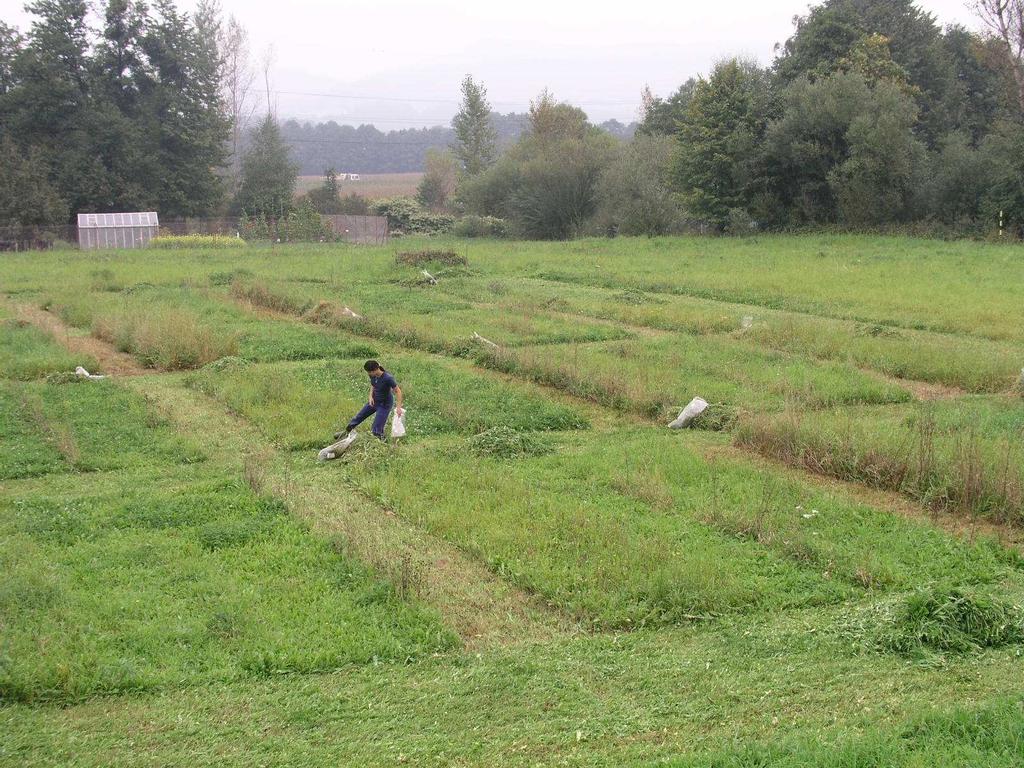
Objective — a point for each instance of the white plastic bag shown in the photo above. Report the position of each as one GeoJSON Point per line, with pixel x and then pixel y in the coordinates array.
{"type": "Point", "coordinates": [335, 450]}
{"type": "Point", "coordinates": [694, 408]}
{"type": "Point", "coordinates": [398, 423]}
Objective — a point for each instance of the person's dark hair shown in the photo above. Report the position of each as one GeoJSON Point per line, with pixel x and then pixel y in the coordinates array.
{"type": "Point", "coordinates": [371, 365]}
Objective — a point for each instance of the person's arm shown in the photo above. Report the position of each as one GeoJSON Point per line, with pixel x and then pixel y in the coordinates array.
{"type": "Point", "coordinates": [371, 395]}
{"type": "Point", "coordinates": [398, 397]}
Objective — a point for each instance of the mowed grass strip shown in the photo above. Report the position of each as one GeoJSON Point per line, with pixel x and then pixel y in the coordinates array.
{"type": "Point", "coordinates": [829, 532]}
{"type": "Point", "coordinates": [653, 377]}
{"type": "Point", "coordinates": [300, 405]}
{"type": "Point", "coordinates": [26, 352]}
{"type": "Point", "coordinates": [607, 700]}
{"type": "Point", "coordinates": [961, 287]}
{"type": "Point", "coordinates": [421, 316]}
{"type": "Point", "coordinates": [972, 364]}
{"type": "Point", "coordinates": [625, 528]}
{"type": "Point", "coordinates": [141, 587]}
{"type": "Point", "coordinates": [964, 456]}
{"type": "Point", "coordinates": [558, 525]}
{"type": "Point", "coordinates": [82, 426]}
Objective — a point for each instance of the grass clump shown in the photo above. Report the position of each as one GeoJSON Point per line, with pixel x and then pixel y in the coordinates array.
{"type": "Point", "coordinates": [166, 338]}
{"type": "Point", "coordinates": [507, 443]}
{"type": "Point", "coordinates": [196, 242]}
{"type": "Point", "coordinates": [259, 293]}
{"type": "Point", "coordinates": [939, 619]}
{"type": "Point", "coordinates": [418, 258]}
{"type": "Point", "coordinates": [227, 278]}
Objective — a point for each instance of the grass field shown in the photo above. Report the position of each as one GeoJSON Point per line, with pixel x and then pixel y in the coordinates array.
{"type": "Point", "coordinates": [370, 185]}
{"type": "Point", "coordinates": [826, 572]}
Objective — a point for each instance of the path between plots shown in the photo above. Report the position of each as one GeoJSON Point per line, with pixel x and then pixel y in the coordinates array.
{"type": "Point", "coordinates": [481, 607]}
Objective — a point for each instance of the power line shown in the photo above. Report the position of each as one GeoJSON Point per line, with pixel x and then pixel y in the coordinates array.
{"type": "Point", "coordinates": [421, 100]}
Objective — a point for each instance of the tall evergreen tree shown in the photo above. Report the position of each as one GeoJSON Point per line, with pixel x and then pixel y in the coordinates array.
{"type": "Point", "coordinates": [475, 137]}
{"type": "Point", "coordinates": [268, 174]}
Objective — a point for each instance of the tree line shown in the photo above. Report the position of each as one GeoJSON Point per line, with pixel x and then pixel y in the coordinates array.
{"type": "Point", "coordinates": [871, 115]}
{"type": "Point", "coordinates": [317, 147]}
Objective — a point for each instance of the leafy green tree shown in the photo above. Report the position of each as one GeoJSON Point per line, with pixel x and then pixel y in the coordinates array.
{"type": "Point", "coordinates": [844, 151]}
{"type": "Point", "coordinates": [663, 116]}
{"type": "Point", "coordinates": [551, 120]}
{"type": "Point", "coordinates": [825, 37]}
{"type": "Point", "coordinates": [268, 174]}
{"type": "Point", "coordinates": [127, 116]}
{"type": "Point", "coordinates": [719, 162]}
{"type": "Point", "coordinates": [959, 181]}
{"type": "Point", "coordinates": [1003, 150]}
{"type": "Point", "coordinates": [475, 137]}
{"type": "Point", "coordinates": [440, 180]}
{"type": "Point", "coordinates": [546, 185]}
{"type": "Point", "coordinates": [635, 196]}
{"type": "Point", "coordinates": [325, 198]}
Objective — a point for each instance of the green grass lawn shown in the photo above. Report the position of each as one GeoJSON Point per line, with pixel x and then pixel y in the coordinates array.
{"type": "Point", "coordinates": [181, 583]}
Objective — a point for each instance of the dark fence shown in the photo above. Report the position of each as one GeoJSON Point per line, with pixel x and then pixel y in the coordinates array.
{"type": "Point", "coordinates": [367, 230]}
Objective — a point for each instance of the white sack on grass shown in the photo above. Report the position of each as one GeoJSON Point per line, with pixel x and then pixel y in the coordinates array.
{"type": "Point", "coordinates": [694, 408]}
{"type": "Point", "coordinates": [398, 423]}
{"type": "Point", "coordinates": [335, 450]}
{"type": "Point", "coordinates": [80, 371]}
{"type": "Point", "coordinates": [482, 340]}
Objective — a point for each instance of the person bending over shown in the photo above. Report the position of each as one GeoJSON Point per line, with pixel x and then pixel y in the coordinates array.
{"type": "Point", "coordinates": [383, 391]}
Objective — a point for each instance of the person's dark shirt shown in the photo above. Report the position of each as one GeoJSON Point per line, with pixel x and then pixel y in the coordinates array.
{"type": "Point", "coordinates": [383, 388]}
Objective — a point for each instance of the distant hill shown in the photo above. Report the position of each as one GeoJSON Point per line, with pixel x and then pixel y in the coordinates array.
{"type": "Point", "coordinates": [365, 149]}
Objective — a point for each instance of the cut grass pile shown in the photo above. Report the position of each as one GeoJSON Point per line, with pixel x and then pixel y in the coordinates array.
{"type": "Point", "coordinates": [29, 353]}
{"type": "Point", "coordinates": [163, 583]}
{"type": "Point", "coordinates": [963, 456]}
{"type": "Point", "coordinates": [655, 377]}
{"type": "Point", "coordinates": [430, 256]}
{"type": "Point", "coordinates": [300, 405]}
{"type": "Point", "coordinates": [508, 443]}
{"type": "Point", "coordinates": [82, 426]}
{"type": "Point", "coordinates": [939, 619]}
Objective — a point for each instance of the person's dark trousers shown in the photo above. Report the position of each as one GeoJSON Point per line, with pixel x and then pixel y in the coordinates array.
{"type": "Point", "coordinates": [379, 420]}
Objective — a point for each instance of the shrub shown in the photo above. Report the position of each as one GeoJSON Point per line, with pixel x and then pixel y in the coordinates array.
{"type": "Point", "coordinates": [406, 216]}
{"type": "Point", "coordinates": [480, 226]}
{"type": "Point", "coordinates": [303, 224]}
{"type": "Point", "coordinates": [508, 443]}
{"type": "Point", "coordinates": [174, 242]}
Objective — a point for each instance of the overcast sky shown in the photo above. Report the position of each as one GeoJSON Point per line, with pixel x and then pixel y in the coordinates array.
{"type": "Point", "coordinates": [406, 58]}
